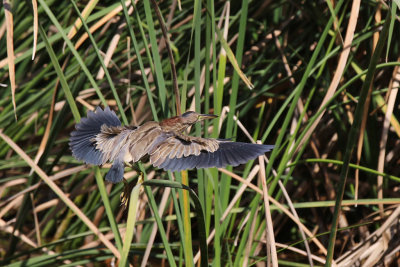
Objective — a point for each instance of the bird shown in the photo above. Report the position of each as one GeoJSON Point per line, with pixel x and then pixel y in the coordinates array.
{"type": "Point", "coordinates": [100, 137]}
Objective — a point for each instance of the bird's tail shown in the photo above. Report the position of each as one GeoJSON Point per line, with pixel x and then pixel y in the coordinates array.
{"type": "Point", "coordinates": [81, 142]}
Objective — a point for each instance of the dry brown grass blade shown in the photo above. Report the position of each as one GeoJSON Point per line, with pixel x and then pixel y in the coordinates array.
{"type": "Point", "coordinates": [9, 229]}
{"type": "Point", "coordinates": [378, 18]}
{"type": "Point", "coordinates": [100, 23]}
{"type": "Point", "coordinates": [6, 186]}
{"type": "Point", "coordinates": [279, 206]}
{"type": "Point", "coordinates": [48, 204]}
{"type": "Point", "coordinates": [393, 121]}
{"type": "Point", "coordinates": [4, 62]}
{"type": "Point", "coordinates": [293, 210]}
{"type": "Point", "coordinates": [169, 230]}
{"type": "Point", "coordinates": [225, 19]}
{"type": "Point", "coordinates": [107, 58]}
{"type": "Point", "coordinates": [299, 251]}
{"type": "Point", "coordinates": [374, 248]}
{"type": "Point", "coordinates": [393, 88]}
{"type": "Point", "coordinates": [85, 13]}
{"type": "Point", "coordinates": [241, 126]}
{"type": "Point", "coordinates": [2, 30]}
{"type": "Point", "coordinates": [54, 177]}
{"type": "Point", "coordinates": [340, 66]}
{"type": "Point", "coordinates": [247, 183]}
{"type": "Point", "coordinates": [270, 226]}
{"type": "Point", "coordinates": [284, 60]}
{"type": "Point", "coordinates": [46, 135]}
{"type": "Point", "coordinates": [238, 194]}
{"type": "Point", "coordinates": [10, 51]}
{"type": "Point", "coordinates": [61, 194]}
{"type": "Point", "coordinates": [35, 27]}
{"type": "Point", "coordinates": [36, 221]}
{"type": "Point", "coordinates": [250, 241]}
{"type": "Point", "coordinates": [226, 50]}
{"type": "Point", "coordinates": [150, 241]}
{"type": "Point", "coordinates": [14, 204]}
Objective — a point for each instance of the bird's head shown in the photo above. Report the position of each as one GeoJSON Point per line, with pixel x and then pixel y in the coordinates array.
{"type": "Point", "coordinates": [191, 117]}
{"type": "Point", "coordinates": [181, 123]}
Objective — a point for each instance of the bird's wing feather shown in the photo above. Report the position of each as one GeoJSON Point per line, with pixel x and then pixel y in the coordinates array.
{"type": "Point", "coordinates": [81, 140]}
{"type": "Point", "coordinates": [228, 153]}
{"type": "Point", "coordinates": [175, 147]}
{"type": "Point", "coordinates": [138, 140]}
{"type": "Point", "coordinates": [111, 140]}
{"type": "Point", "coordinates": [148, 137]}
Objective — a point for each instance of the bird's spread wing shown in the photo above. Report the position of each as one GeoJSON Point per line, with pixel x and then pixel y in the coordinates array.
{"type": "Point", "coordinates": [175, 147]}
{"type": "Point", "coordinates": [81, 141]}
{"type": "Point", "coordinates": [111, 140]}
{"type": "Point", "coordinates": [228, 153]}
{"type": "Point", "coordinates": [133, 142]}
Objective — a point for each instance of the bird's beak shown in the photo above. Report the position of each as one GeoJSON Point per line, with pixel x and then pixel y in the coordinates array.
{"type": "Point", "coordinates": [207, 116]}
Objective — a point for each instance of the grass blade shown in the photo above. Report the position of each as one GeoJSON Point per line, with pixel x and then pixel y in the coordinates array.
{"type": "Point", "coordinates": [353, 135]}
{"type": "Point", "coordinates": [131, 222]}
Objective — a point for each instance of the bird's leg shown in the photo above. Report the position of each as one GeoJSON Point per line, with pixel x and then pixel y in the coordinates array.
{"type": "Point", "coordinates": [133, 166]}
{"type": "Point", "coordinates": [124, 197]}
{"type": "Point", "coordinates": [126, 194]}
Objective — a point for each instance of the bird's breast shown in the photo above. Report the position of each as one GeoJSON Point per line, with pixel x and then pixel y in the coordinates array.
{"type": "Point", "coordinates": [128, 156]}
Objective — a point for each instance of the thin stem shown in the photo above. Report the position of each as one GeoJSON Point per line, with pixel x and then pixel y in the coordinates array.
{"type": "Point", "coordinates": [171, 58]}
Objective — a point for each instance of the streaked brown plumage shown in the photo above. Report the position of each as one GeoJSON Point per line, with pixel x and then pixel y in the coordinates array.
{"type": "Point", "coordinates": [100, 138]}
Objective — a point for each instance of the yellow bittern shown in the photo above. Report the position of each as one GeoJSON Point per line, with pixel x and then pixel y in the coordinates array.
{"type": "Point", "coordinates": [100, 138]}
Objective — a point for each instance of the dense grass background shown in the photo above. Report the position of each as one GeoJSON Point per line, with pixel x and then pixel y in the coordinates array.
{"type": "Point", "coordinates": [325, 84]}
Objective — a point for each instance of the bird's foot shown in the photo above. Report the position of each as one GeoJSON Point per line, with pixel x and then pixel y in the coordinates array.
{"type": "Point", "coordinates": [128, 187]}
{"type": "Point", "coordinates": [124, 198]}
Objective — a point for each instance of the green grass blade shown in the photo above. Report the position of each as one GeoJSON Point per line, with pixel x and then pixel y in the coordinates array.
{"type": "Point", "coordinates": [73, 50]}
{"type": "Point", "coordinates": [130, 222]}
{"type": "Point", "coordinates": [160, 226]}
{"type": "Point", "coordinates": [139, 57]}
{"type": "Point", "coordinates": [298, 90]}
{"type": "Point", "coordinates": [353, 135]}
{"type": "Point", "coordinates": [108, 208]}
{"type": "Point", "coordinates": [156, 57]}
{"type": "Point", "coordinates": [100, 58]}
{"type": "Point", "coordinates": [188, 249]}
{"type": "Point", "coordinates": [60, 74]}
{"type": "Point", "coordinates": [199, 214]}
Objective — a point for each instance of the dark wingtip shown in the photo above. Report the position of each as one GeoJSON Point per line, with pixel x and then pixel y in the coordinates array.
{"type": "Point", "coordinates": [229, 153]}
{"type": "Point", "coordinates": [267, 148]}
